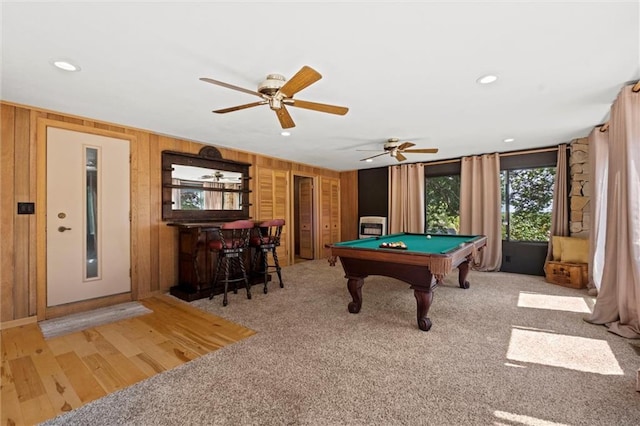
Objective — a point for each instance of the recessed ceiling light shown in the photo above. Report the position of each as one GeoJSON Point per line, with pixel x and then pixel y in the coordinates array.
{"type": "Point", "coordinates": [285, 133]}
{"type": "Point", "coordinates": [508, 140]}
{"type": "Point", "coordinates": [65, 65]}
{"type": "Point", "coordinates": [487, 79]}
{"type": "Point", "coordinates": [369, 160]}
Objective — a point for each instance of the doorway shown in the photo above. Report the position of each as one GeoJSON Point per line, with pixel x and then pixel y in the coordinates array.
{"type": "Point", "coordinates": [303, 206]}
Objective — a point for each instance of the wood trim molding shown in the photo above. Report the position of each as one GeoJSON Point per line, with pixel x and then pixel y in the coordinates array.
{"type": "Point", "coordinates": [17, 323]}
{"type": "Point", "coordinates": [44, 312]}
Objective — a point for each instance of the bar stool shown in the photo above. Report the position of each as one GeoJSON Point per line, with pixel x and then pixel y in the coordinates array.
{"type": "Point", "coordinates": [265, 240]}
{"type": "Point", "coordinates": [229, 246]}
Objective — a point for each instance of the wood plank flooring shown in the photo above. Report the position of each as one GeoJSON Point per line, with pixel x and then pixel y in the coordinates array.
{"type": "Point", "coordinates": [41, 379]}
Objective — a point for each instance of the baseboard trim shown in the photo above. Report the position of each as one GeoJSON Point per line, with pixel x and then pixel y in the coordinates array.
{"type": "Point", "coordinates": [17, 323]}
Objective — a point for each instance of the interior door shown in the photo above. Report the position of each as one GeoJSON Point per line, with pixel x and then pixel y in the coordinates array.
{"type": "Point", "coordinates": [88, 227]}
{"type": "Point", "coordinates": [305, 217]}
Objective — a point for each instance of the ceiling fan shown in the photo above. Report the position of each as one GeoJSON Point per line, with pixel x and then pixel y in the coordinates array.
{"type": "Point", "coordinates": [395, 148]}
{"type": "Point", "coordinates": [278, 93]}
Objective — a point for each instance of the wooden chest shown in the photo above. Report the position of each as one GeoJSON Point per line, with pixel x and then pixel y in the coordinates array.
{"type": "Point", "coordinates": [574, 275]}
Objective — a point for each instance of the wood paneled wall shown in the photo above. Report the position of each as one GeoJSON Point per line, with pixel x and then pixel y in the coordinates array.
{"type": "Point", "coordinates": [154, 260]}
{"type": "Point", "coordinates": [349, 205]}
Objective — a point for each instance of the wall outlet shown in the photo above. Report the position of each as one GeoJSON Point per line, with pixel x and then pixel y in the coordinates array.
{"type": "Point", "coordinates": [26, 208]}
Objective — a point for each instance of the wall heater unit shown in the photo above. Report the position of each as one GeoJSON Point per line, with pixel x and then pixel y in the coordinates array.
{"type": "Point", "coordinates": [372, 226]}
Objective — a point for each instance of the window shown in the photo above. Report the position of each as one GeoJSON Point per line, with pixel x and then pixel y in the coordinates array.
{"type": "Point", "coordinates": [442, 198]}
{"type": "Point", "coordinates": [527, 196]}
{"type": "Point", "coordinates": [443, 204]}
{"type": "Point", "coordinates": [527, 199]}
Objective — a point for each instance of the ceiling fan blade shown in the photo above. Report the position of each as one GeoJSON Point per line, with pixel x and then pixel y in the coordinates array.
{"type": "Point", "coordinates": [239, 107]}
{"type": "Point", "coordinates": [303, 78]}
{"type": "Point", "coordinates": [405, 145]}
{"type": "Point", "coordinates": [331, 109]}
{"type": "Point", "coordinates": [374, 156]}
{"type": "Point", "coordinates": [400, 157]}
{"type": "Point", "coordinates": [422, 150]}
{"type": "Point", "coordinates": [285, 118]}
{"type": "Point", "coordinates": [231, 86]}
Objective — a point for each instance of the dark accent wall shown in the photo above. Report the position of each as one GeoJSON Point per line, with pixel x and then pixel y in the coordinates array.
{"type": "Point", "coordinates": [517, 257]}
{"type": "Point", "coordinates": [523, 258]}
{"type": "Point", "coordinates": [373, 192]}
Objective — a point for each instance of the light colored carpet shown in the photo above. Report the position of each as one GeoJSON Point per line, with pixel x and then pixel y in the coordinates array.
{"type": "Point", "coordinates": [83, 320]}
{"type": "Point", "coordinates": [510, 350]}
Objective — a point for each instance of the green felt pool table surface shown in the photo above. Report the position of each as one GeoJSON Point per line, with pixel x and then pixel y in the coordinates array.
{"type": "Point", "coordinates": [424, 243]}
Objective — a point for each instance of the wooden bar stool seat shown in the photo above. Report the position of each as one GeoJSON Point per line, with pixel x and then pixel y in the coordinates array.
{"type": "Point", "coordinates": [265, 240]}
{"type": "Point", "coordinates": [230, 243]}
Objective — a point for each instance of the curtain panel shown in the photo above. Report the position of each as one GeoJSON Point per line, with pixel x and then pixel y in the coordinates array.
{"type": "Point", "coordinates": [560, 209]}
{"type": "Point", "coordinates": [618, 302]}
{"type": "Point", "coordinates": [212, 199]}
{"type": "Point", "coordinates": [406, 198]}
{"type": "Point", "coordinates": [598, 169]}
{"type": "Point", "coordinates": [480, 207]}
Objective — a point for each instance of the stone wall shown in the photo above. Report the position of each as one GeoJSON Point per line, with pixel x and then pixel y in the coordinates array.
{"type": "Point", "coordinates": [579, 192]}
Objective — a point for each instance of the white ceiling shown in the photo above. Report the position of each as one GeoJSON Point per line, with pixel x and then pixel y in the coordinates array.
{"type": "Point", "coordinates": [404, 69]}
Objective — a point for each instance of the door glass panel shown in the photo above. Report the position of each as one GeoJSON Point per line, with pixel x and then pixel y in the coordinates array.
{"type": "Point", "coordinates": [92, 209]}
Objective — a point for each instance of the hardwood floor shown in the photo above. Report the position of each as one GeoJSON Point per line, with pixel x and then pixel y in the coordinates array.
{"type": "Point", "coordinates": [44, 378]}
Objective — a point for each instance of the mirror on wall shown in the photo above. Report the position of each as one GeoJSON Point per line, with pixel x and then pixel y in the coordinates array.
{"type": "Point", "coordinates": [203, 187]}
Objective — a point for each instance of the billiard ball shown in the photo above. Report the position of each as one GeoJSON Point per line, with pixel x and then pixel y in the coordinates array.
{"type": "Point", "coordinates": [428, 236]}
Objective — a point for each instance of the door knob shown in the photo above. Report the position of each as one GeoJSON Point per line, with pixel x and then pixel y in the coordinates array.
{"type": "Point", "coordinates": [62, 229]}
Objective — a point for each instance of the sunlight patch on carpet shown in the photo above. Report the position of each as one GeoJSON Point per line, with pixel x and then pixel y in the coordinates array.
{"type": "Point", "coordinates": [556, 303]}
{"type": "Point", "coordinates": [524, 420]}
{"type": "Point", "coordinates": [83, 320]}
{"type": "Point", "coordinates": [560, 350]}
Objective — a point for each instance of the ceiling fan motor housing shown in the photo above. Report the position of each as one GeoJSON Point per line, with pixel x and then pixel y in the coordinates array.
{"type": "Point", "coordinates": [272, 84]}
{"type": "Point", "coordinates": [391, 144]}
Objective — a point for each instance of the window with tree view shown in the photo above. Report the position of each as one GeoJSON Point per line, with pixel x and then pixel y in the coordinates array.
{"type": "Point", "coordinates": [527, 199]}
{"type": "Point", "coordinates": [443, 204]}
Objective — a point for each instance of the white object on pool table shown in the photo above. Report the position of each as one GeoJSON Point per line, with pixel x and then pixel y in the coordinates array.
{"type": "Point", "coordinates": [428, 236]}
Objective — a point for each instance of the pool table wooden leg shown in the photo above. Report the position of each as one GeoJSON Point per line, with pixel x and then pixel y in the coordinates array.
{"type": "Point", "coordinates": [463, 269]}
{"type": "Point", "coordinates": [355, 288]}
{"type": "Point", "coordinates": [423, 299]}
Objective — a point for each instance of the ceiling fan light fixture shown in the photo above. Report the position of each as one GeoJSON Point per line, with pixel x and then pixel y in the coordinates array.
{"type": "Point", "coordinates": [487, 79]}
{"type": "Point", "coordinates": [271, 84]}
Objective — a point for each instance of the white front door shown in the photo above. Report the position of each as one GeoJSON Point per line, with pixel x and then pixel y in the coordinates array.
{"type": "Point", "coordinates": [88, 227]}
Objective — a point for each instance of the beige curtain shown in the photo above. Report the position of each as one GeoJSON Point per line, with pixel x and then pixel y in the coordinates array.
{"type": "Point", "coordinates": [560, 209]}
{"type": "Point", "coordinates": [480, 206]}
{"type": "Point", "coordinates": [212, 199]}
{"type": "Point", "coordinates": [406, 198]}
{"type": "Point", "coordinates": [598, 168]}
{"type": "Point", "coordinates": [618, 301]}
{"type": "Point", "coordinates": [232, 199]}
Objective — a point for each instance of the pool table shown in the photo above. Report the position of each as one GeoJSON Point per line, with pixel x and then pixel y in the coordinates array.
{"type": "Point", "coordinates": [422, 262]}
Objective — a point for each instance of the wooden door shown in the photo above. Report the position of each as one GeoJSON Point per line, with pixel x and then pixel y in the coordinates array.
{"type": "Point", "coordinates": [329, 210]}
{"type": "Point", "coordinates": [305, 217]}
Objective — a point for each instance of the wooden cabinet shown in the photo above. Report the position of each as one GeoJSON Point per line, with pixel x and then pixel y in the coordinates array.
{"type": "Point", "coordinates": [329, 211]}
